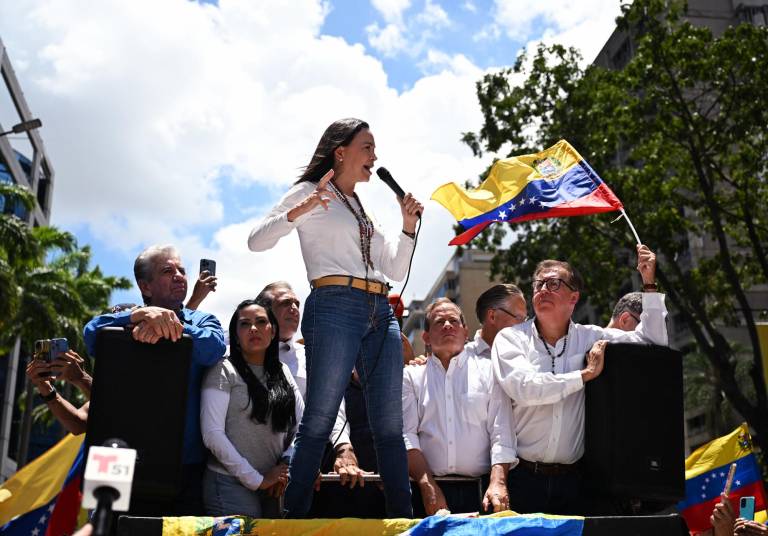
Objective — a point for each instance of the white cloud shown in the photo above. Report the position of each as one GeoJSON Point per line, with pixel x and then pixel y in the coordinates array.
{"type": "Point", "coordinates": [144, 103]}
{"type": "Point", "coordinates": [388, 40]}
{"type": "Point", "coordinates": [391, 10]}
{"type": "Point", "coordinates": [469, 6]}
{"type": "Point", "coordinates": [585, 25]}
{"type": "Point", "coordinates": [410, 36]}
{"type": "Point", "coordinates": [433, 16]}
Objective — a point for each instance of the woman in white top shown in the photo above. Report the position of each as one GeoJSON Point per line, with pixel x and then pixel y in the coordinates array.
{"type": "Point", "coordinates": [250, 410]}
{"type": "Point", "coordinates": [347, 319]}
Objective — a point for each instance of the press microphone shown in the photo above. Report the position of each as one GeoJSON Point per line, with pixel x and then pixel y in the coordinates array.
{"type": "Point", "coordinates": [108, 480]}
{"type": "Point", "coordinates": [390, 181]}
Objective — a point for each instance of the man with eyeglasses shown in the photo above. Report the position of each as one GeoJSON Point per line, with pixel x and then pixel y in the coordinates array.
{"type": "Point", "coordinates": [626, 314]}
{"type": "Point", "coordinates": [541, 365]}
{"type": "Point", "coordinates": [456, 420]}
{"type": "Point", "coordinates": [499, 307]}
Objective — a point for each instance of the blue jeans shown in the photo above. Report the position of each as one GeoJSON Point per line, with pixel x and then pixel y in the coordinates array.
{"type": "Point", "coordinates": [344, 327]}
{"type": "Point", "coordinates": [224, 495]}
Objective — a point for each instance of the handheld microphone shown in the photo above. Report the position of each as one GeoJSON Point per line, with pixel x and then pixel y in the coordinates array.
{"type": "Point", "coordinates": [108, 479]}
{"type": "Point", "coordinates": [390, 181]}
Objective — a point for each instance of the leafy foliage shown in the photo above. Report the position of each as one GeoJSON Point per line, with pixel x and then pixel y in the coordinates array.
{"type": "Point", "coordinates": [46, 287]}
{"type": "Point", "coordinates": [679, 135]}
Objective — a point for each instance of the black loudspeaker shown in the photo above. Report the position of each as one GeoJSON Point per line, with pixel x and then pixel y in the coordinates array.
{"type": "Point", "coordinates": [634, 435]}
{"type": "Point", "coordinates": [139, 395]}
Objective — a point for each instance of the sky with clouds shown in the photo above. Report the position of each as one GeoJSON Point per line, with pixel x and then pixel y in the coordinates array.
{"type": "Point", "coordinates": [174, 121]}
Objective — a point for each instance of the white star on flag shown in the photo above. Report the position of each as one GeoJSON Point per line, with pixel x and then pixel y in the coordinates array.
{"type": "Point", "coordinates": [502, 215]}
{"type": "Point", "coordinates": [35, 531]}
{"type": "Point", "coordinates": [738, 482]}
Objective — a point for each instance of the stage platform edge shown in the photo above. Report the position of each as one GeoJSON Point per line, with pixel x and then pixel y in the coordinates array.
{"type": "Point", "coordinates": [660, 525]}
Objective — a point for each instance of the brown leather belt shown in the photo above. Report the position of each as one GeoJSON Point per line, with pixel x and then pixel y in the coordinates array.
{"type": "Point", "coordinates": [550, 469]}
{"type": "Point", "coordinates": [374, 287]}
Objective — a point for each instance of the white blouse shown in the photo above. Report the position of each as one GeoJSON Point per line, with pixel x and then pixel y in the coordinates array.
{"type": "Point", "coordinates": [330, 239]}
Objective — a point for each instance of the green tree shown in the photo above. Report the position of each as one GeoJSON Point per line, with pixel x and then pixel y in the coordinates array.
{"type": "Point", "coordinates": [46, 286]}
{"type": "Point", "coordinates": [679, 135]}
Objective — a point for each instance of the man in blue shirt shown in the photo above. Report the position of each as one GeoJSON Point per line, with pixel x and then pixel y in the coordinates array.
{"type": "Point", "coordinates": [162, 280]}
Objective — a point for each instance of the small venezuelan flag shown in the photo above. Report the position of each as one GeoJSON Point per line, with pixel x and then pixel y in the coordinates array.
{"type": "Point", "coordinates": [555, 182]}
{"type": "Point", "coordinates": [43, 497]}
{"type": "Point", "coordinates": [706, 470]}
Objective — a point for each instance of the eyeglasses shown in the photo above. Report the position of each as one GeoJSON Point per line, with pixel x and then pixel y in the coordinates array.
{"type": "Point", "coordinates": [637, 318]}
{"type": "Point", "coordinates": [513, 315]}
{"type": "Point", "coordinates": [552, 284]}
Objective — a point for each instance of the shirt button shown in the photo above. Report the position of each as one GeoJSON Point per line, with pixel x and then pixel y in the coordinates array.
{"type": "Point", "coordinates": [450, 442]}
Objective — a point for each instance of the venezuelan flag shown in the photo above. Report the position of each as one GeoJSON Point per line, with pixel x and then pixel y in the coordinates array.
{"type": "Point", "coordinates": [706, 470]}
{"type": "Point", "coordinates": [43, 497]}
{"type": "Point", "coordinates": [502, 523]}
{"type": "Point", "coordinates": [555, 182]}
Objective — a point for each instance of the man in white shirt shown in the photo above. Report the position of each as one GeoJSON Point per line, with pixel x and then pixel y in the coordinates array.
{"type": "Point", "coordinates": [540, 365]}
{"type": "Point", "coordinates": [499, 307]}
{"type": "Point", "coordinates": [281, 298]}
{"type": "Point", "coordinates": [456, 421]}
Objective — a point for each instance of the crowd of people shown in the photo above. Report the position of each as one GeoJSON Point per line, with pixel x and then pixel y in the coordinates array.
{"type": "Point", "coordinates": [502, 409]}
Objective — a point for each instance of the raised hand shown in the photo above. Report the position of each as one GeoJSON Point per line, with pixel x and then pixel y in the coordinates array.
{"type": "Point", "coordinates": [320, 197]}
{"type": "Point", "coordinates": [646, 264]}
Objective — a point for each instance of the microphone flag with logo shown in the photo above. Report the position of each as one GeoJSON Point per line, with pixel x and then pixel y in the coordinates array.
{"type": "Point", "coordinates": [552, 183]}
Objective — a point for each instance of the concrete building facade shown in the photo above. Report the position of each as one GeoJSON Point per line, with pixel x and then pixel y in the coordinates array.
{"type": "Point", "coordinates": [23, 161]}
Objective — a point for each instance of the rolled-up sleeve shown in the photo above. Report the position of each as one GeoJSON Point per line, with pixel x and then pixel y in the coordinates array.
{"type": "Point", "coordinates": [275, 225]}
{"type": "Point", "coordinates": [501, 428]}
{"type": "Point", "coordinates": [518, 377]}
{"type": "Point", "coordinates": [410, 413]}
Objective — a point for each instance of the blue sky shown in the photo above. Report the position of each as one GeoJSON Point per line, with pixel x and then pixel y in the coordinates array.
{"type": "Point", "coordinates": [190, 134]}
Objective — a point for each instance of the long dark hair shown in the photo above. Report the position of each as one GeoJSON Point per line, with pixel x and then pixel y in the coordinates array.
{"type": "Point", "coordinates": [338, 134]}
{"type": "Point", "coordinates": [275, 402]}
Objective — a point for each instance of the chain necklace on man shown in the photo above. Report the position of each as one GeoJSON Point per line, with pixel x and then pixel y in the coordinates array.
{"type": "Point", "coordinates": [546, 347]}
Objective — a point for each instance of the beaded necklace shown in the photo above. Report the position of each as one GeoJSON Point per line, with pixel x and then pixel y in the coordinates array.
{"type": "Point", "coordinates": [364, 224]}
{"type": "Point", "coordinates": [546, 347]}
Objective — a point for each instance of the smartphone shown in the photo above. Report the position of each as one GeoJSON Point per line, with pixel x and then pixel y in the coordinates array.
{"type": "Point", "coordinates": [49, 349]}
{"type": "Point", "coordinates": [747, 508]}
{"type": "Point", "coordinates": [208, 265]}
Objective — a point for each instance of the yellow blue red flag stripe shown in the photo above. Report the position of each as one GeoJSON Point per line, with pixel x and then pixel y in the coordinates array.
{"type": "Point", "coordinates": [706, 470]}
{"type": "Point", "coordinates": [43, 497]}
{"type": "Point", "coordinates": [552, 183]}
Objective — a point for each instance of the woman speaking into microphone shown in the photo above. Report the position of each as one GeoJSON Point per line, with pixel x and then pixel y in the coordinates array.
{"type": "Point", "coordinates": [347, 319]}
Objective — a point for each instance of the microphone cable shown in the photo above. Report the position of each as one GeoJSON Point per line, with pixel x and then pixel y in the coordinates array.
{"type": "Point", "coordinates": [363, 384]}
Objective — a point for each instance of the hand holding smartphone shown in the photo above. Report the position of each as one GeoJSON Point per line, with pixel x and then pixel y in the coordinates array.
{"type": "Point", "coordinates": [747, 508]}
{"type": "Point", "coordinates": [49, 349]}
{"type": "Point", "coordinates": [208, 265]}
